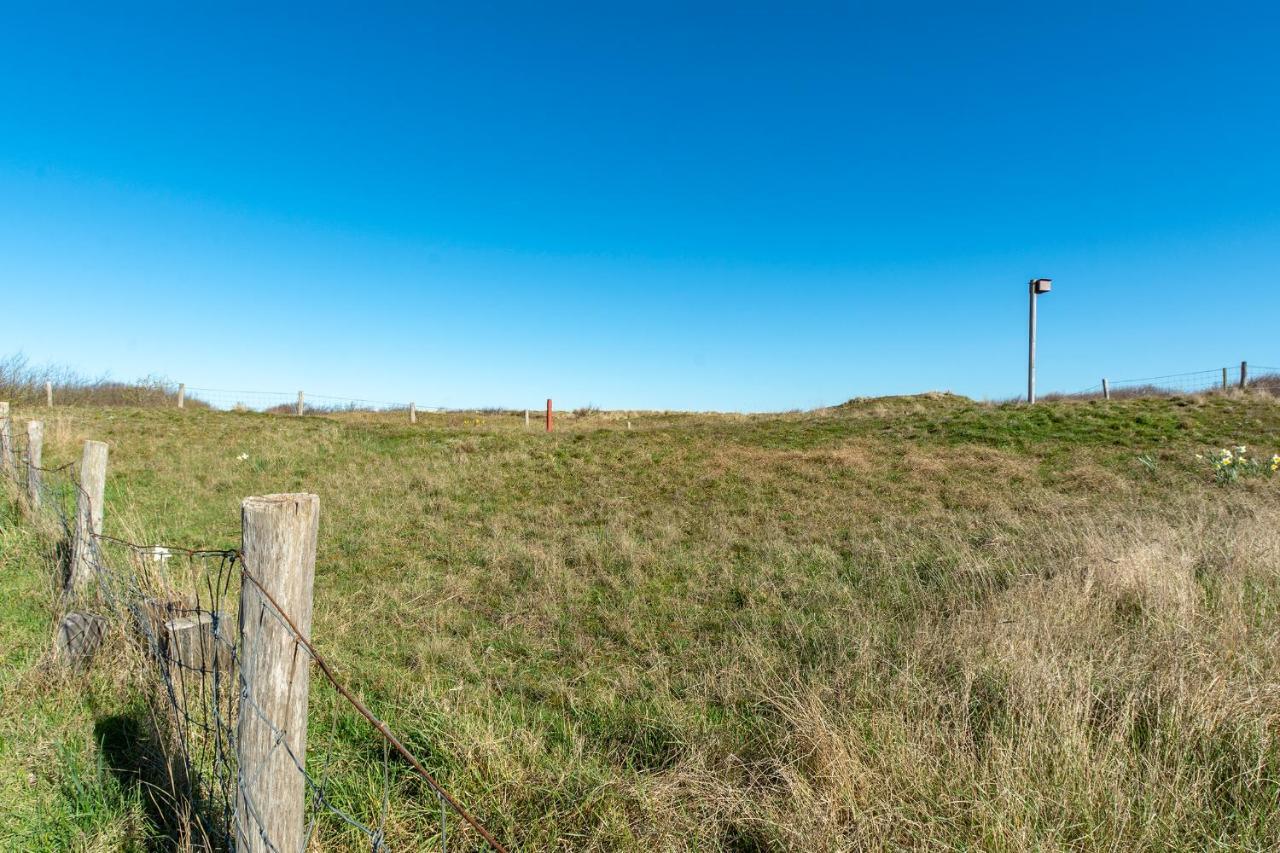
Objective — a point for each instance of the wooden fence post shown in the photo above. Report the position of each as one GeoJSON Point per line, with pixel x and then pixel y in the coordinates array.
{"type": "Point", "coordinates": [7, 465]}
{"type": "Point", "coordinates": [413, 413]}
{"type": "Point", "coordinates": [93, 482]}
{"type": "Point", "coordinates": [1106, 390]}
{"type": "Point", "coordinates": [278, 539]}
{"type": "Point", "coordinates": [35, 451]}
{"type": "Point", "coordinates": [48, 394]}
{"type": "Point", "coordinates": [299, 411]}
{"type": "Point", "coordinates": [1224, 379]}
{"type": "Point", "coordinates": [548, 414]}
{"type": "Point", "coordinates": [526, 418]}
{"type": "Point", "coordinates": [1244, 374]}
{"type": "Point", "coordinates": [182, 394]}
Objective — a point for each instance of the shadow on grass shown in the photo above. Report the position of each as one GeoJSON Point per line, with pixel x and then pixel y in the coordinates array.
{"type": "Point", "coordinates": [131, 747]}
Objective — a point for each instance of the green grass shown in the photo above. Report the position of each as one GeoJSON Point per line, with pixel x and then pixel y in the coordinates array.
{"type": "Point", "coordinates": [917, 622]}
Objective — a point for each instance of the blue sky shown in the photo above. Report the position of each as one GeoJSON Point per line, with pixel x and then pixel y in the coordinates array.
{"type": "Point", "coordinates": [698, 206]}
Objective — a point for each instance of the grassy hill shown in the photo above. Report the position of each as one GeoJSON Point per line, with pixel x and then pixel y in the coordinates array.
{"type": "Point", "coordinates": [917, 622]}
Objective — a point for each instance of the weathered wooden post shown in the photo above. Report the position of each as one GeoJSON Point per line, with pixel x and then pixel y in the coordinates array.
{"type": "Point", "coordinates": [1224, 379]}
{"type": "Point", "coordinates": [182, 394]}
{"type": "Point", "coordinates": [526, 418]}
{"type": "Point", "coordinates": [413, 413]}
{"type": "Point", "coordinates": [548, 414]}
{"type": "Point", "coordinates": [1244, 374]}
{"type": "Point", "coordinates": [35, 450]}
{"type": "Point", "coordinates": [93, 482]}
{"type": "Point", "coordinates": [48, 394]}
{"type": "Point", "coordinates": [299, 402]}
{"type": "Point", "coordinates": [7, 466]}
{"type": "Point", "coordinates": [200, 642]}
{"type": "Point", "coordinates": [1106, 390]}
{"type": "Point", "coordinates": [278, 540]}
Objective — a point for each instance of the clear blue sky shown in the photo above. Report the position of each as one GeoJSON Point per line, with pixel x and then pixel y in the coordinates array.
{"type": "Point", "coordinates": [701, 206]}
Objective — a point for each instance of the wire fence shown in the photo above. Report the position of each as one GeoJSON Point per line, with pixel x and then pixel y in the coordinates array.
{"type": "Point", "coordinates": [1255, 377]}
{"type": "Point", "coordinates": [197, 638]}
{"type": "Point", "coordinates": [282, 402]}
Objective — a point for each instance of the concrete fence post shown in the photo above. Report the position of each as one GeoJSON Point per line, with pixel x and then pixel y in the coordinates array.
{"type": "Point", "coordinates": [278, 540]}
{"type": "Point", "coordinates": [1106, 390]}
{"type": "Point", "coordinates": [413, 413]}
{"type": "Point", "coordinates": [48, 394]}
{"type": "Point", "coordinates": [300, 403]}
{"type": "Point", "coordinates": [93, 482]}
{"type": "Point", "coordinates": [35, 452]}
{"type": "Point", "coordinates": [7, 465]}
{"type": "Point", "coordinates": [182, 395]}
{"type": "Point", "coordinates": [1244, 374]}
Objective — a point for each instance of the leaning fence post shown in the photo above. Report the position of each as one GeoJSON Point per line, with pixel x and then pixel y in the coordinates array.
{"type": "Point", "coordinates": [7, 466]}
{"type": "Point", "coordinates": [1244, 374]}
{"type": "Point", "coordinates": [299, 411]}
{"type": "Point", "coordinates": [35, 450]}
{"type": "Point", "coordinates": [48, 394]}
{"type": "Point", "coordinates": [278, 540]}
{"type": "Point", "coordinates": [93, 482]}
{"type": "Point", "coordinates": [1106, 390]}
{"type": "Point", "coordinates": [182, 394]}
{"type": "Point", "coordinates": [413, 413]}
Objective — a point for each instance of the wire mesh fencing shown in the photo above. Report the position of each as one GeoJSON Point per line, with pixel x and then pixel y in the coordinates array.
{"type": "Point", "coordinates": [1215, 380]}
{"type": "Point", "coordinates": [292, 403]}
{"type": "Point", "coordinates": [242, 769]}
{"type": "Point", "coordinates": [1194, 382]}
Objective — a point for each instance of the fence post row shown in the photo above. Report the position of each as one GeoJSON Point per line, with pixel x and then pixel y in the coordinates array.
{"type": "Point", "coordinates": [278, 540]}
{"type": "Point", "coordinates": [35, 451]}
{"type": "Point", "coordinates": [7, 466]}
{"type": "Point", "coordinates": [93, 482]}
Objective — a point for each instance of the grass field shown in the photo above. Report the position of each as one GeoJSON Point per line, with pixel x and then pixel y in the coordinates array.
{"type": "Point", "coordinates": [902, 623]}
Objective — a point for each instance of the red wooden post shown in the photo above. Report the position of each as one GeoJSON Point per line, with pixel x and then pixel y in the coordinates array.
{"type": "Point", "coordinates": [548, 414]}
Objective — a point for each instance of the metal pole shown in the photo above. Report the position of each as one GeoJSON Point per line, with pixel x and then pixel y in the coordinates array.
{"type": "Point", "coordinates": [1031, 346]}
